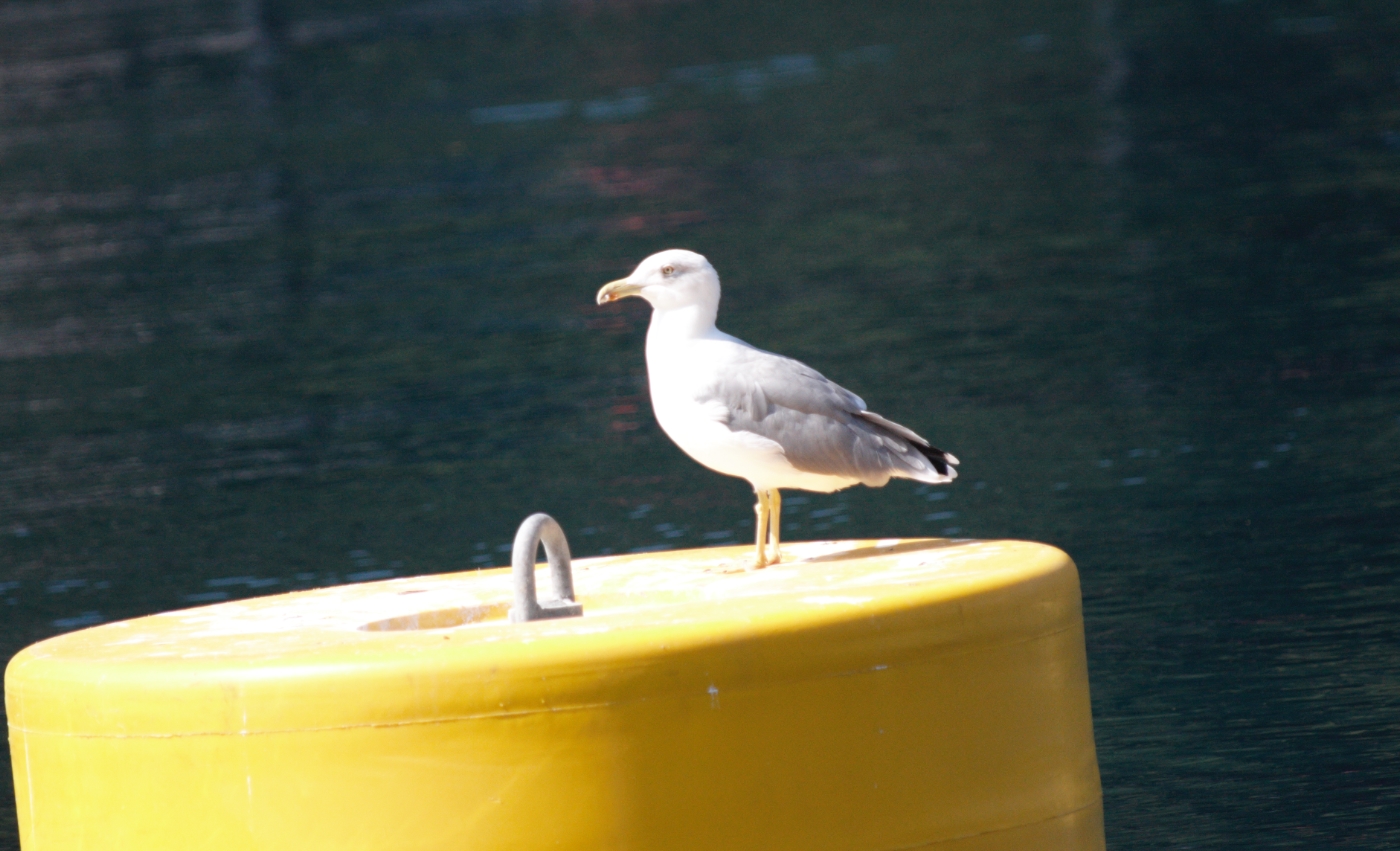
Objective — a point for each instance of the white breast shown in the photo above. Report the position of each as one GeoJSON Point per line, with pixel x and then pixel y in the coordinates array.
{"type": "Point", "coordinates": [678, 375]}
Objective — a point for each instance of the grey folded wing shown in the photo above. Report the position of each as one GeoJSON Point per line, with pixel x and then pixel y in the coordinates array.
{"type": "Point", "coordinates": [822, 427]}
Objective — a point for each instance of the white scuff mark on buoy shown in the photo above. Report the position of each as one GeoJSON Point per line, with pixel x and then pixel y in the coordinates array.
{"type": "Point", "coordinates": [880, 668]}
{"type": "Point", "coordinates": [29, 786]}
{"type": "Point", "coordinates": [714, 696]}
{"type": "Point", "coordinates": [816, 549]}
{"type": "Point", "coordinates": [135, 639]}
{"type": "Point", "coordinates": [577, 629]}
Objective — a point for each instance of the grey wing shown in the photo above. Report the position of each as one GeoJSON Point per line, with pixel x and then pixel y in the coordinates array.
{"type": "Point", "coordinates": [822, 427]}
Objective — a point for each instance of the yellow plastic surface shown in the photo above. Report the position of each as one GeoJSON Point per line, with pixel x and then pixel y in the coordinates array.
{"type": "Point", "coordinates": [860, 695]}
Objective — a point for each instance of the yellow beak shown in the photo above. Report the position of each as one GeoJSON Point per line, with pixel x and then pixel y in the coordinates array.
{"type": "Point", "coordinates": [617, 290]}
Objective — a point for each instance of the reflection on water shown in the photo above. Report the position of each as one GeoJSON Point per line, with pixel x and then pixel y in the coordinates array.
{"type": "Point", "coordinates": [295, 294]}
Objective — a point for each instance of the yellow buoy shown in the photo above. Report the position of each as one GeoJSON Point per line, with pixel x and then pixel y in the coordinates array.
{"type": "Point", "coordinates": [859, 695]}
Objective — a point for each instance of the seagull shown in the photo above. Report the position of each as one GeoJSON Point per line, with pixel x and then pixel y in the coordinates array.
{"type": "Point", "coordinates": [756, 415]}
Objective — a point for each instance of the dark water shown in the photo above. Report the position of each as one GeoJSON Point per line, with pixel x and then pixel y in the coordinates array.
{"type": "Point", "coordinates": [297, 293]}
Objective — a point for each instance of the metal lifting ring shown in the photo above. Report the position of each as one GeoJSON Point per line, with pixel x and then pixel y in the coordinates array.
{"type": "Point", "coordinates": [542, 529]}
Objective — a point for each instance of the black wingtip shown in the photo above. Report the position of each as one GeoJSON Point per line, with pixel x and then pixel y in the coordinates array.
{"type": "Point", "coordinates": [942, 462]}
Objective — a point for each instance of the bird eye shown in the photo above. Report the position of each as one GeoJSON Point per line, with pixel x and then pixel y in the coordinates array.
{"type": "Point", "coordinates": [668, 270]}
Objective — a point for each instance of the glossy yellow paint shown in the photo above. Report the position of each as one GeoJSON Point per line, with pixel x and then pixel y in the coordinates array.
{"type": "Point", "coordinates": [860, 695]}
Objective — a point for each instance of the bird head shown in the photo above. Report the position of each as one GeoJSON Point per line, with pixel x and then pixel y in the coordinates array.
{"type": "Point", "coordinates": [669, 279]}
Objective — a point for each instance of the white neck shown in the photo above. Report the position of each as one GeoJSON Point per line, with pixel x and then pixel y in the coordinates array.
{"type": "Point", "coordinates": [679, 324]}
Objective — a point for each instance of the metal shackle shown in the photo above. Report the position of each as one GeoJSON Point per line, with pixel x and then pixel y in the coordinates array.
{"type": "Point", "coordinates": [542, 529]}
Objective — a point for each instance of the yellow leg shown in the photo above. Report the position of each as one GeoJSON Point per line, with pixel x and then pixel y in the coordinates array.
{"type": "Point", "coordinates": [775, 522]}
{"type": "Point", "coordinates": [761, 512]}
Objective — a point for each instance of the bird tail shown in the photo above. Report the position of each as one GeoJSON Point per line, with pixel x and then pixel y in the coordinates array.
{"type": "Point", "coordinates": [941, 462]}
